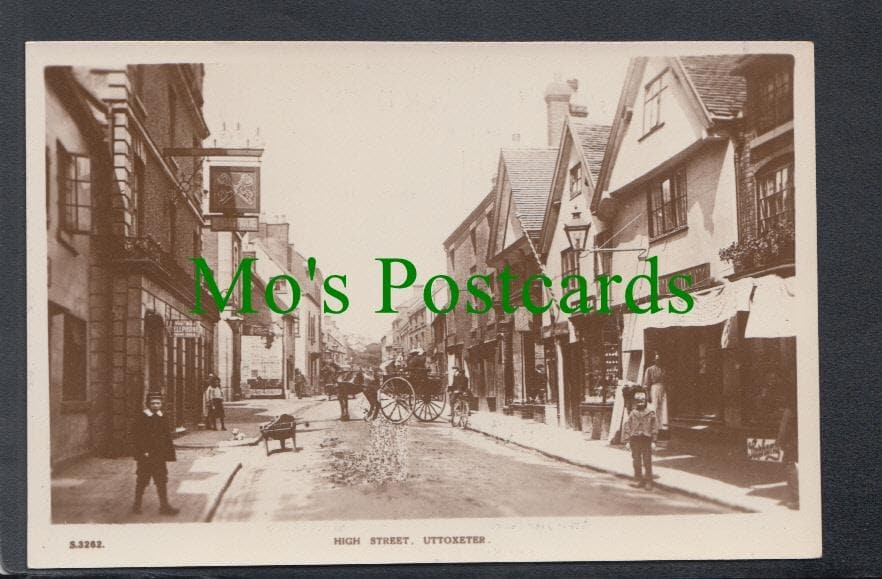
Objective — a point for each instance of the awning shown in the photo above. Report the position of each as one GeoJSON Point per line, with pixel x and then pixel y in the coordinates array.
{"type": "Point", "coordinates": [773, 308]}
{"type": "Point", "coordinates": [769, 299]}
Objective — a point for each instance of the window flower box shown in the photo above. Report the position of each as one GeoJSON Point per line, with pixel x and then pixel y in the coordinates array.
{"type": "Point", "coordinates": [773, 247]}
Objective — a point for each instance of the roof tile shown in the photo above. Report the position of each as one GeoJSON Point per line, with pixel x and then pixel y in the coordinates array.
{"type": "Point", "coordinates": [530, 171]}
{"type": "Point", "coordinates": [593, 139]}
{"type": "Point", "coordinates": [721, 90]}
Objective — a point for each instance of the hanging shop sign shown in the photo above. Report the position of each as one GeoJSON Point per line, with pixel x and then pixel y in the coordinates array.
{"type": "Point", "coordinates": [186, 329]}
{"type": "Point", "coordinates": [234, 190]}
{"type": "Point", "coordinates": [233, 223]}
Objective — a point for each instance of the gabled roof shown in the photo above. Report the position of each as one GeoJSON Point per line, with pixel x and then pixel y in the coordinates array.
{"type": "Point", "coordinates": [713, 85]}
{"type": "Point", "coordinates": [721, 90]}
{"type": "Point", "coordinates": [590, 141]}
{"type": "Point", "coordinates": [530, 171]}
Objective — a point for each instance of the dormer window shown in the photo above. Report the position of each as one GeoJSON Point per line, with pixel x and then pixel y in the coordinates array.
{"type": "Point", "coordinates": [576, 180]}
{"type": "Point", "coordinates": [652, 99]}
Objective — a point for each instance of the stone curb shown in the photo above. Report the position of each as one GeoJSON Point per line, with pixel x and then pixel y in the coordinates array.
{"type": "Point", "coordinates": [211, 508]}
{"type": "Point", "coordinates": [733, 503]}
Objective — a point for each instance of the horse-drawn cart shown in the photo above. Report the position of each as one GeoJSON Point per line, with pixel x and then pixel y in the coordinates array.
{"type": "Point", "coordinates": [414, 392]}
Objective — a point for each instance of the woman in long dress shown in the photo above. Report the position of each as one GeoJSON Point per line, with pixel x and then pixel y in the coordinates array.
{"type": "Point", "coordinates": [654, 380]}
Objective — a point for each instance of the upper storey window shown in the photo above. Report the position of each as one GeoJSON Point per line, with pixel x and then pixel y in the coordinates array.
{"type": "Point", "coordinates": [773, 99]}
{"type": "Point", "coordinates": [652, 103]}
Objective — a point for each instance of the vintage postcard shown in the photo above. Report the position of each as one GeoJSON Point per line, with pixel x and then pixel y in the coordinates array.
{"type": "Point", "coordinates": [337, 303]}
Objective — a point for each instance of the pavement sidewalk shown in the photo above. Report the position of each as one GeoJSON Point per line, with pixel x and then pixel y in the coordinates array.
{"type": "Point", "coordinates": [101, 490]}
{"type": "Point", "coordinates": [724, 480]}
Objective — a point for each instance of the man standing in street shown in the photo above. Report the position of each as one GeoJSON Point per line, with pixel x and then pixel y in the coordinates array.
{"type": "Point", "coordinates": [299, 382]}
{"type": "Point", "coordinates": [216, 397]}
{"type": "Point", "coordinates": [207, 409]}
{"type": "Point", "coordinates": [153, 448]}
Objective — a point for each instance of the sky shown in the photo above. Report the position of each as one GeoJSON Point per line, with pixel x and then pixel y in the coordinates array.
{"type": "Point", "coordinates": [381, 150]}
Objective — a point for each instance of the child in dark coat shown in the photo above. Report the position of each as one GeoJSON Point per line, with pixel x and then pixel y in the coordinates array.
{"type": "Point", "coordinates": [639, 433]}
{"type": "Point", "coordinates": [153, 448]}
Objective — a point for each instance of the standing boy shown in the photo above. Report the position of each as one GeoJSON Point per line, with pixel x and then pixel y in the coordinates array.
{"type": "Point", "coordinates": [216, 397]}
{"type": "Point", "coordinates": [153, 448]}
{"type": "Point", "coordinates": [639, 434]}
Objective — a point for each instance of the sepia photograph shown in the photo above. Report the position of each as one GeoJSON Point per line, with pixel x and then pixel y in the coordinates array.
{"type": "Point", "coordinates": [420, 302]}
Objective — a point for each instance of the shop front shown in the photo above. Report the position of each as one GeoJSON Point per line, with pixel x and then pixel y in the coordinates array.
{"type": "Point", "coordinates": [730, 364]}
{"type": "Point", "coordinates": [596, 369]}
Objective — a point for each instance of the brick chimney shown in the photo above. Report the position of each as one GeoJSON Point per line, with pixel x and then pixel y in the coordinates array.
{"type": "Point", "coordinates": [557, 100]}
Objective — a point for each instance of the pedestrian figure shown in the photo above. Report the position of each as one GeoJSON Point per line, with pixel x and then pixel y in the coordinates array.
{"type": "Point", "coordinates": [153, 448]}
{"type": "Point", "coordinates": [299, 382]}
{"type": "Point", "coordinates": [459, 388]}
{"type": "Point", "coordinates": [216, 397]}
{"type": "Point", "coordinates": [654, 382]}
{"type": "Point", "coordinates": [639, 435]}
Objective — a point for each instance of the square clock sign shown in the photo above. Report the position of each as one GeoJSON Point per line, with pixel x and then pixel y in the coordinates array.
{"type": "Point", "coordinates": [234, 190]}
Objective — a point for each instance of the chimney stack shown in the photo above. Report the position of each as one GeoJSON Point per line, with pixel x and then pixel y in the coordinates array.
{"type": "Point", "coordinates": [557, 100]}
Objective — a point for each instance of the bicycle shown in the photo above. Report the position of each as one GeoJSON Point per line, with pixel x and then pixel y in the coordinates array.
{"type": "Point", "coordinates": [459, 409]}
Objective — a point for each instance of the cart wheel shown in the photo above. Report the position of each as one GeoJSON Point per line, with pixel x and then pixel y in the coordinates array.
{"type": "Point", "coordinates": [396, 397]}
{"type": "Point", "coordinates": [428, 407]}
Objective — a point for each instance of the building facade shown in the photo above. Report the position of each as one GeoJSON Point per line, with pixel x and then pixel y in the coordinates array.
{"type": "Point", "coordinates": [675, 198]}
{"type": "Point", "coordinates": [471, 338]}
{"type": "Point", "coordinates": [124, 219]}
{"type": "Point", "coordinates": [582, 358]}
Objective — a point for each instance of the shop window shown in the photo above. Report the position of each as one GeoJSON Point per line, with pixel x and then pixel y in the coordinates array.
{"type": "Point", "coordinates": [75, 187]}
{"type": "Point", "coordinates": [667, 204]}
{"type": "Point", "coordinates": [773, 99]}
{"type": "Point", "coordinates": [73, 382]}
{"type": "Point", "coordinates": [775, 196]}
{"type": "Point", "coordinates": [576, 180]}
{"type": "Point", "coordinates": [652, 101]}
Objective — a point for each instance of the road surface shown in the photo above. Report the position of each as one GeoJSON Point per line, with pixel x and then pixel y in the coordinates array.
{"type": "Point", "coordinates": [450, 473]}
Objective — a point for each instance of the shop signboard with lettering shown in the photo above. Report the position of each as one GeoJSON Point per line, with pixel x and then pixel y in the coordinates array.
{"type": "Point", "coordinates": [186, 329]}
{"type": "Point", "coordinates": [764, 450]}
{"type": "Point", "coordinates": [233, 223]}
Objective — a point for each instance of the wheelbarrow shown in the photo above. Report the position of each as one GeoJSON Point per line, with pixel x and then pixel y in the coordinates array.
{"type": "Point", "coordinates": [280, 428]}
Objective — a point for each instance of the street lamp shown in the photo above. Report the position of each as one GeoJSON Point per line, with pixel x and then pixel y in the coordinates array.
{"type": "Point", "coordinates": [577, 234]}
{"type": "Point", "coordinates": [577, 231]}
